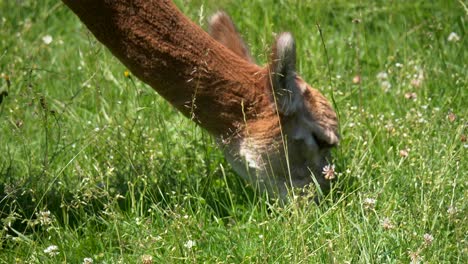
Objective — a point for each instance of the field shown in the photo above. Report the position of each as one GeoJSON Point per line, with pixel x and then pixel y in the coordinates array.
{"type": "Point", "coordinates": [96, 167]}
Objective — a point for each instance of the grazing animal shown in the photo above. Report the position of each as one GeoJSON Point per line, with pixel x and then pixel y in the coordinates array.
{"type": "Point", "coordinates": [275, 130]}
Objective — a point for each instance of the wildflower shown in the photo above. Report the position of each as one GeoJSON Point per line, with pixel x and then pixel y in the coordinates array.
{"type": "Point", "coordinates": [452, 210]}
{"type": "Point", "coordinates": [189, 244]}
{"type": "Point", "coordinates": [127, 74]}
{"type": "Point", "coordinates": [416, 83]}
{"type": "Point", "coordinates": [415, 258]}
{"type": "Point", "coordinates": [386, 85]}
{"type": "Point", "coordinates": [47, 39]}
{"type": "Point", "coordinates": [387, 224]}
{"type": "Point", "coordinates": [52, 250]}
{"type": "Point", "coordinates": [410, 96]}
{"type": "Point", "coordinates": [453, 37]}
{"type": "Point", "coordinates": [146, 259]}
{"type": "Point", "coordinates": [44, 218]}
{"type": "Point", "coordinates": [381, 76]}
{"type": "Point", "coordinates": [357, 79]}
{"type": "Point", "coordinates": [451, 117]}
{"type": "Point", "coordinates": [369, 203]}
{"type": "Point", "coordinates": [404, 153]}
{"type": "Point", "coordinates": [88, 261]}
{"type": "Point", "coordinates": [418, 78]}
{"type": "Point", "coordinates": [329, 172]}
{"type": "Point", "coordinates": [428, 238]}
{"type": "Point", "coordinates": [398, 65]}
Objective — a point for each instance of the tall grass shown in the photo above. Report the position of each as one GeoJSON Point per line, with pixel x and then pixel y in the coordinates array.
{"type": "Point", "coordinates": [92, 161]}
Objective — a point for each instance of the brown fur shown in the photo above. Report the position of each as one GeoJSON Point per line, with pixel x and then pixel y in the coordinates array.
{"type": "Point", "coordinates": [225, 32]}
{"type": "Point", "coordinates": [216, 84]}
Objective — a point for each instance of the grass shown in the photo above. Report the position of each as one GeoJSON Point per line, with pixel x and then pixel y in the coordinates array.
{"type": "Point", "coordinates": [97, 164]}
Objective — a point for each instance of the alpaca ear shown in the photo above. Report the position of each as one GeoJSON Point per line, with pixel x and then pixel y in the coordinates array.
{"type": "Point", "coordinates": [223, 30]}
{"type": "Point", "coordinates": [283, 74]}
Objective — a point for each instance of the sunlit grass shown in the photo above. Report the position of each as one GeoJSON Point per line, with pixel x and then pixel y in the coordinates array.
{"type": "Point", "coordinates": [94, 164]}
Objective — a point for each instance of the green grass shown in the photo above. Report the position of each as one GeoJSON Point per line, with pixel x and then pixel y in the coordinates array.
{"type": "Point", "coordinates": [126, 177]}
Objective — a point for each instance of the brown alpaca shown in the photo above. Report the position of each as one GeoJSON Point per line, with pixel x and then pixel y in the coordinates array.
{"type": "Point", "coordinates": [275, 130]}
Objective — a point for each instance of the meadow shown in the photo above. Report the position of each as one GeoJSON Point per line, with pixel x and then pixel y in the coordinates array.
{"type": "Point", "coordinates": [95, 167]}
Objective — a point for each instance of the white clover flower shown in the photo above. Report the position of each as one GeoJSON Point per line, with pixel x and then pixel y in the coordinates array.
{"type": "Point", "coordinates": [387, 224]}
{"type": "Point", "coordinates": [147, 259]}
{"type": "Point", "coordinates": [329, 172]}
{"type": "Point", "coordinates": [451, 209]}
{"type": "Point", "coordinates": [404, 153]}
{"type": "Point", "coordinates": [428, 238]}
{"type": "Point", "coordinates": [369, 203]}
{"type": "Point", "coordinates": [88, 261]}
{"type": "Point", "coordinates": [453, 37]}
{"type": "Point", "coordinates": [414, 256]}
{"type": "Point", "coordinates": [52, 250]}
{"type": "Point", "coordinates": [386, 85]}
{"type": "Point", "coordinates": [382, 76]}
{"type": "Point", "coordinates": [189, 244]}
{"type": "Point", "coordinates": [44, 218]}
{"type": "Point", "coordinates": [47, 39]}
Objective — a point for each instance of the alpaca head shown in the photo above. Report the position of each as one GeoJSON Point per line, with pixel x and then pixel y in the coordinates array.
{"type": "Point", "coordinates": [291, 147]}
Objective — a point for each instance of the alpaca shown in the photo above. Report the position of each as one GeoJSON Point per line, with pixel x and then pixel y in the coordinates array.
{"type": "Point", "coordinates": [274, 129]}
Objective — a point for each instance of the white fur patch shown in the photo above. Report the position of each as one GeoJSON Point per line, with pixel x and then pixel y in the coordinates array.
{"type": "Point", "coordinates": [217, 16]}
{"type": "Point", "coordinates": [285, 44]}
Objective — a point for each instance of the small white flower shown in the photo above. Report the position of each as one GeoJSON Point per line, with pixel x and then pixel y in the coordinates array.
{"type": "Point", "coordinates": [398, 65]}
{"type": "Point", "coordinates": [88, 261]}
{"type": "Point", "coordinates": [404, 153]}
{"type": "Point", "coordinates": [52, 250]}
{"type": "Point", "coordinates": [329, 172]}
{"type": "Point", "coordinates": [369, 203]}
{"type": "Point", "coordinates": [386, 85]}
{"type": "Point", "coordinates": [147, 259]}
{"type": "Point", "coordinates": [382, 76]}
{"type": "Point", "coordinates": [453, 210]}
{"type": "Point", "coordinates": [189, 244]}
{"type": "Point", "coordinates": [428, 238]}
{"type": "Point", "coordinates": [47, 39]}
{"type": "Point", "coordinates": [44, 218]}
{"type": "Point", "coordinates": [453, 37]}
{"type": "Point", "coordinates": [415, 258]}
{"type": "Point", "coordinates": [387, 224]}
